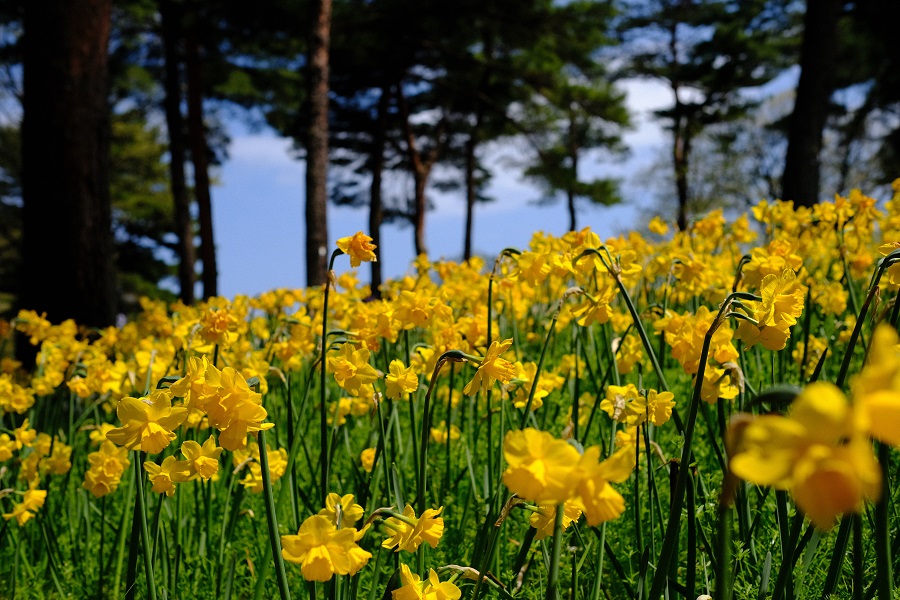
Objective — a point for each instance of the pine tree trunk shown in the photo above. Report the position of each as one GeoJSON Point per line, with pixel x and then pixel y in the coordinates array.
{"type": "Point", "coordinates": [200, 161]}
{"type": "Point", "coordinates": [67, 233]}
{"type": "Point", "coordinates": [184, 229]}
{"type": "Point", "coordinates": [680, 150]}
{"type": "Point", "coordinates": [317, 144]}
{"type": "Point", "coordinates": [376, 207]}
{"type": "Point", "coordinates": [420, 204]}
{"type": "Point", "coordinates": [818, 54]}
{"type": "Point", "coordinates": [470, 195]}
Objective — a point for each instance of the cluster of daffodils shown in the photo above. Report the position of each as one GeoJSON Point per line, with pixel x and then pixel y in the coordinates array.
{"type": "Point", "coordinates": [551, 472]}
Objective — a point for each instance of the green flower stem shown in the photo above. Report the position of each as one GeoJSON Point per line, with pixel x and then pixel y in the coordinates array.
{"type": "Point", "coordinates": [449, 415]}
{"type": "Point", "coordinates": [724, 587]}
{"type": "Point", "coordinates": [454, 356]}
{"type": "Point", "coordinates": [100, 553]}
{"type": "Point", "coordinates": [645, 340]}
{"type": "Point", "coordinates": [553, 577]}
{"type": "Point", "coordinates": [858, 562]}
{"type": "Point", "coordinates": [120, 541]}
{"type": "Point", "coordinates": [145, 536]}
{"type": "Point", "coordinates": [673, 526]}
{"type": "Point", "coordinates": [271, 518]}
{"type": "Point", "coordinates": [324, 458]}
{"type": "Point", "coordinates": [883, 575]}
{"type": "Point", "coordinates": [540, 365]}
{"type": "Point", "coordinates": [490, 298]}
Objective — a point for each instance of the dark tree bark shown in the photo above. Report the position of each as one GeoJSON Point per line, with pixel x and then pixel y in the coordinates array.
{"type": "Point", "coordinates": [170, 19]}
{"type": "Point", "coordinates": [67, 239]}
{"type": "Point", "coordinates": [317, 144]}
{"type": "Point", "coordinates": [681, 150]}
{"type": "Point", "coordinates": [376, 206]}
{"type": "Point", "coordinates": [818, 55]}
{"type": "Point", "coordinates": [573, 162]}
{"type": "Point", "coordinates": [420, 164]}
{"type": "Point", "coordinates": [200, 161]}
{"type": "Point", "coordinates": [471, 195]}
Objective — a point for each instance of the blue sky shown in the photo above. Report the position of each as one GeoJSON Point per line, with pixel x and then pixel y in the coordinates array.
{"type": "Point", "coordinates": [259, 202]}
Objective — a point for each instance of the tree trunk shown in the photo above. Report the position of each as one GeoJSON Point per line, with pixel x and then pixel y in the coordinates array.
{"type": "Point", "coordinates": [171, 36]}
{"type": "Point", "coordinates": [200, 161]}
{"type": "Point", "coordinates": [67, 232]}
{"type": "Point", "coordinates": [420, 165]}
{"type": "Point", "coordinates": [376, 207]}
{"type": "Point", "coordinates": [680, 161]}
{"type": "Point", "coordinates": [818, 54]}
{"type": "Point", "coordinates": [420, 204]}
{"type": "Point", "coordinates": [317, 144]}
{"type": "Point", "coordinates": [573, 161]}
{"type": "Point", "coordinates": [471, 195]}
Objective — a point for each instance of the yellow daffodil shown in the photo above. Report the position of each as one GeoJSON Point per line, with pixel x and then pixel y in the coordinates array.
{"type": "Point", "coordinates": [147, 423]}
{"type": "Point", "coordinates": [358, 247]}
{"type": "Point", "coordinates": [23, 511]}
{"type": "Point", "coordinates": [164, 476]}
{"type": "Point", "coordinates": [540, 467]}
{"type": "Point", "coordinates": [491, 369]}
{"type": "Point", "coordinates": [781, 305]}
{"type": "Point", "coordinates": [815, 451]}
{"type": "Point", "coordinates": [343, 511]}
{"type": "Point", "coordinates": [351, 368]}
{"type": "Point", "coordinates": [367, 458]}
{"type": "Point", "coordinates": [201, 461]}
{"type": "Point", "coordinates": [322, 550]}
{"type": "Point", "coordinates": [400, 380]}
{"type": "Point", "coordinates": [544, 519]}
{"type": "Point", "coordinates": [408, 532]}
{"type": "Point", "coordinates": [107, 466]}
{"type": "Point", "coordinates": [594, 495]}
{"type": "Point", "coordinates": [415, 588]}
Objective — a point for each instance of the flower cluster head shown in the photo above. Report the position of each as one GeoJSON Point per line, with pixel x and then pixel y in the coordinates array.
{"type": "Point", "coordinates": [225, 398]}
{"type": "Point", "coordinates": [543, 519]}
{"type": "Point", "coordinates": [408, 532]}
{"type": "Point", "coordinates": [147, 423]}
{"type": "Point", "coordinates": [625, 404]}
{"type": "Point", "coordinates": [400, 380]}
{"type": "Point", "coordinates": [358, 247]}
{"type": "Point", "coordinates": [351, 368]}
{"type": "Point", "coordinates": [107, 466]}
{"type": "Point", "coordinates": [416, 588]}
{"type": "Point", "coordinates": [163, 477]}
{"type": "Point", "coordinates": [324, 549]}
{"type": "Point", "coordinates": [249, 458]}
{"type": "Point", "coordinates": [547, 470]}
{"type": "Point", "coordinates": [32, 501]}
{"type": "Point", "coordinates": [491, 369]}
{"type": "Point", "coordinates": [781, 305]}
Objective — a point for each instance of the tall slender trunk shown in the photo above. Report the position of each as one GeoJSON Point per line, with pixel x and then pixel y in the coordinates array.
{"type": "Point", "coordinates": [818, 54]}
{"type": "Point", "coordinates": [679, 129]}
{"type": "Point", "coordinates": [680, 149]}
{"type": "Point", "coordinates": [171, 36]}
{"type": "Point", "coordinates": [67, 268]}
{"type": "Point", "coordinates": [573, 165]}
{"type": "Point", "coordinates": [420, 165]}
{"type": "Point", "coordinates": [471, 195]}
{"type": "Point", "coordinates": [376, 208]}
{"type": "Point", "coordinates": [317, 144]}
{"type": "Point", "coordinates": [200, 161]}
